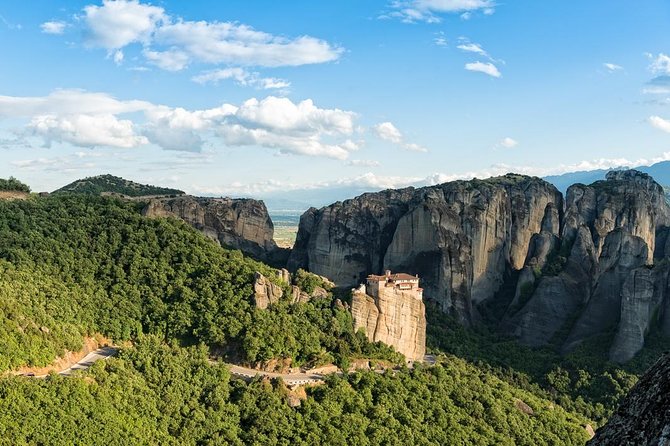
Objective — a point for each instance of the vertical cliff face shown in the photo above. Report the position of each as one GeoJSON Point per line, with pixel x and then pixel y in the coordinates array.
{"type": "Point", "coordinates": [242, 224]}
{"type": "Point", "coordinates": [460, 237]}
{"type": "Point", "coordinates": [611, 233]}
{"type": "Point", "coordinates": [394, 317]}
{"type": "Point", "coordinates": [643, 418]}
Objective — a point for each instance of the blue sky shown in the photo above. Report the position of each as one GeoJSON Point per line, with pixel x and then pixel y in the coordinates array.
{"type": "Point", "coordinates": [265, 97]}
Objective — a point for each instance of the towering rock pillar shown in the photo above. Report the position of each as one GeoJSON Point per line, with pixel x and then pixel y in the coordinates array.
{"type": "Point", "coordinates": [390, 309]}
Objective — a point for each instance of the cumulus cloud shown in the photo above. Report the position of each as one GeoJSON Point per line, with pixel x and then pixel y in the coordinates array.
{"type": "Point", "coordinates": [241, 77]}
{"type": "Point", "coordinates": [172, 43]}
{"type": "Point", "coordinates": [53, 27]}
{"type": "Point", "coordinates": [389, 132]}
{"type": "Point", "coordinates": [97, 119]}
{"type": "Point", "coordinates": [87, 130]}
{"type": "Point", "coordinates": [660, 123]}
{"type": "Point", "coordinates": [482, 67]}
{"type": "Point", "coordinates": [118, 23]}
{"type": "Point", "coordinates": [411, 11]}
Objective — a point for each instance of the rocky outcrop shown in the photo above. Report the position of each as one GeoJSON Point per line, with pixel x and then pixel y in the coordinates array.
{"type": "Point", "coordinates": [643, 418]}
{"type": "Point", "coordinates": [242, 224]}
{"type": "Point", "coordinates": [394, 317]}
{"type": "Point", "coordinates": [460, 237]}
{"type": "Point", "coordinates": [267, 292]}
{"type": "Point", "coordinates": [611, 233]}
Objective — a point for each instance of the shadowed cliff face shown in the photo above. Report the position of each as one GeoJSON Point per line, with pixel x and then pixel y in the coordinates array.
{"type": "Point", "coordinates": [460, 237]}
{"type": "Point", "coordinates": [602, 280]}
{"type": "Point", "coordinates": [643, 418]}
{"type": "Point", "coordinates": [242, 224]}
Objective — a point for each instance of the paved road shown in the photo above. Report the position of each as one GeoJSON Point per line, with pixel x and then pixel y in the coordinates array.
{"type": "Point", "coordinates": [292, 379]}
{"type": "Point", "coordinates": [87, 361]}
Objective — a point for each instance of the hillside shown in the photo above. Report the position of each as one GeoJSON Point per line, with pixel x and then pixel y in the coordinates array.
{"type": "Point", "coordinates": [102, 184]}
{"type": "Point", "coordinates": [75, 264]}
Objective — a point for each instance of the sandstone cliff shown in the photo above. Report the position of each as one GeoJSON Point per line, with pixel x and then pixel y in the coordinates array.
{"type": "Point", "coordinates": [460, 237]}
{"type": "Point", "coordinates": [242, 224]}
{"type": "Point", "coordinates": [643, 418]}
{"type": "Point", "coordinates": [394, 317]}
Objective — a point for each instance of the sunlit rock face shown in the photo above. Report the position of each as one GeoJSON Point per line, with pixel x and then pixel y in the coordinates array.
{"type": "Point", "coordinates": [242, 224]}
{"type": "Point", "coordinates": [460, 237]}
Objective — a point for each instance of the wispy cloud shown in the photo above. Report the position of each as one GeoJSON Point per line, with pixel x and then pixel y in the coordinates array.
{"type": "Point", "coordinates": [612, 68]}
{"type": "Point", "coordinates": [363, 163]}
{"type": "Point", "coordinates": [241, 77]}
{"type": "Point", "coordinates": [484, 67]}
{"type": "Point", "coordinates": [53, 27]}
{"type": "Point", "coordinates": [412, 11]}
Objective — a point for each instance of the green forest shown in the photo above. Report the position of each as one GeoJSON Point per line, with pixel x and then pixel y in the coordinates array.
{"type": "Point", "coordinates": [73, 265]}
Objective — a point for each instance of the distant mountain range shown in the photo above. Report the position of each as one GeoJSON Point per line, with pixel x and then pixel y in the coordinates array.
{"type": "Point", "coordinates": [659, 171]}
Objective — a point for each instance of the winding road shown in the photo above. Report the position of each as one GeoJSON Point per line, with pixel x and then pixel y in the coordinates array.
{"type": "Point", "coordinates": [245, 373]}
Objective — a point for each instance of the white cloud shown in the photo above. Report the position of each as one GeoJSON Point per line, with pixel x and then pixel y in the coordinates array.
{"type": "Point", "coordinates": [660, 64]}
{"type": "Point", "coordinates": [68, 102]}
{"type": "Point", "coordinates": [411, 11]}
{"type": "Point", "coordinates": [486, 68]}
{"type": "Point", "coordinates": [473, 48]}
{"type": "Point", "coordinates": [53, 27]}
{"type": "Point", "coordinates": [292, 128]}
{"type": "Point", "coordinates": [230, 43]}
{"type": "Point", "coordinates": [363, 163]}
{"type": "Point", "coordinates": [97, 119]}
{"type": "Point", "coordinates": [118, 23]}
{"type": "Point", "coordinates": [611, 67]}
{"type": "Point", "coordinates": [241, 77]}
{"type": "Point", "coordinates": [508, 143]}
{"type": "Point", "coordinates": [389, 132]}
{"type": "Point", "coordinates": [87, 130]}
{"type": "Point", "coordinates": [168, 60]}
{"type": "Point", "coordinates": [172, 43]}
{"type": "Point", "coordinates": [118, 57]}
{"type": "Point", "coordinates": [440, 39]}
{"type": "Point", "coordinates": [660, 123]}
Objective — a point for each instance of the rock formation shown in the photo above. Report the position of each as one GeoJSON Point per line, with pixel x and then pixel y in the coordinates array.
{"type": "Point", "coordinates": [242, 224]}
{"type": "Point", "coordinates": [460, 237]}
{"type": "Point", "coordinates": [392, 315]}
{"type": "Point", "coordinates": [643, 418]}
{"type": "Point", "coordinates": [607, 283]}
{"type": "Point", "coordinates": [267, 292]}
{"type": "Point", "coordinates": [587, 270]}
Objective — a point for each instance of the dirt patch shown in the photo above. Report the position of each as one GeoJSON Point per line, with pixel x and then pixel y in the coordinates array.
{"type": "Point", "coordinates": [61, 363]}
{"type": "Point", "coordinates": [13, 195]}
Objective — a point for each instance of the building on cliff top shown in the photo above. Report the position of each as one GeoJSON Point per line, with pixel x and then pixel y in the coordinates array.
{"type": "Point", "coordinates": [390, 309]}
{"type": "Point", "coordinates": [399, 281]}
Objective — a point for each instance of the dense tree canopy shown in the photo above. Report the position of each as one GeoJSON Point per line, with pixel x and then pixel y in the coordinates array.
{"type": "Point", "coordinates": [78, 264]}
